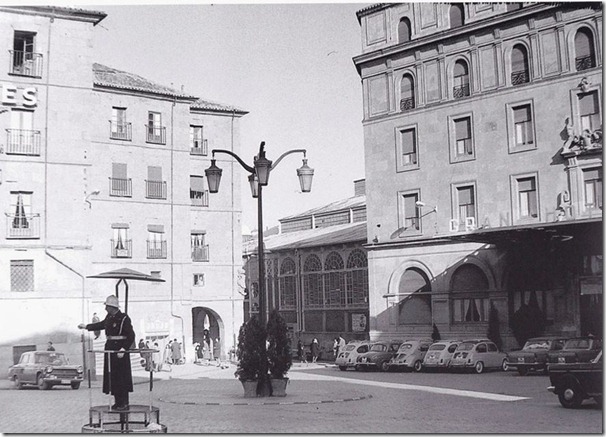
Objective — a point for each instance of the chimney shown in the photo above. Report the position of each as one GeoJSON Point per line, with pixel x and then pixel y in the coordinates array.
{"type": "Point", "coordinates": [360, 187]}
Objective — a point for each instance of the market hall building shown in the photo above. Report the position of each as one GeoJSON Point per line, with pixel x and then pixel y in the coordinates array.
{"type": "Point", "coordinates": [101, 169]}
{"type": "Point", "coordinates": [483, 157]}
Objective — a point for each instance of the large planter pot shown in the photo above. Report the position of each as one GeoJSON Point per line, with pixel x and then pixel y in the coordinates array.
{"type": "Point", "coordinates": [250, 388]}
{"type": "Point", "coordinates": [278, 386]}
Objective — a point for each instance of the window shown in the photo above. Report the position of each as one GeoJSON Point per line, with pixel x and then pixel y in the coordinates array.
{"type": "Point", "coordinates": [584, 50]}
{"type": "Point", "coordinates": [155, 187]}
{"type": "Point", "coordinates": [414, 295]}
{"type": "Point", "coordinates": [468, 287]}
{"type": "Point", "coordinates": [334, 280]}
{"type": "Point", "coordinates": [198, 279]}
{"type": "Point", "coordinates": [120, 129]}
{"type": "Point", "coordinates": [463, 143]}
{"type": "Point", "coordinates": [407, 149]}
{"type": "Point", "coordinates": [460, 80]}
{"type": "Point", "coordinates": [156, 133]}
{"type": "Point", "coordinates": [404, 31]}
{"type": "Point", "coordinates": [199, 248]}
{"type": "Point", "coordinates": [287, 284]}
{"type": "Point", "coordinates": [522, 125]}
{"type": "Point", "coordinates": [407, 93]}
{"type": "Point", "coordinates": [357, 279]}
{"type": "Point", "coordinates": [198, 145]}
{"type": "Point", "coordinates": [22, 139]}
{"type": "Point", "coordinates": [25, 61]}
{"type": "Point", "coordinates": [527, 198]}
{"type": "Point", "coordinates": [22, 223]}
{"type": "Point", "coordinates": [22, 275]}
{"type": "Point", "coordinates": [519, 65]}
{"type": "Point", "coordinates": [589, 111]}
{"type": "Point", "coordinates": [513, 6]}
{"type": "Point", "coordinates": [121, 244]}
{"type": "Point", "coordinates": [198, 193]}
{"type": "Point", "coordinates": [409, 214]}
{"type": "Point", "coordinates": [457, 16]}
{"type": "Point", "coordinates": [156, 244]}
{"type": "Point", "coordinates": [592, 180]}
{"type": "Point", "coordinates": [312, 282]}
{"type": "Point", "coordinates": [465, 204]}
{"type": "Point", "coordinates": [119, 184]}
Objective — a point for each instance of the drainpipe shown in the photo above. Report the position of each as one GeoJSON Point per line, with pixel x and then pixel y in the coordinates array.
{"type": "Point", "coordinates": [233, 260]}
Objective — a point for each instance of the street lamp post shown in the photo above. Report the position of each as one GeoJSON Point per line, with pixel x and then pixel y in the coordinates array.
{"type": "Point", "coordinates": [258, 178]}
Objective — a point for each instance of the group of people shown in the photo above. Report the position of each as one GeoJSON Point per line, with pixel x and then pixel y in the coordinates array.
{"type": "Point", "coordinates": [173, 353]}
{"type": "Point", "coordinates": [208, 349]}
{"type": "Point", "coordinates": [314, 348]}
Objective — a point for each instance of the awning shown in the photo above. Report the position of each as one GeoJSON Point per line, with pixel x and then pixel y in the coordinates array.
{"type": "Point", "coordinates": [120, 226]}
{"type": "Point", "coordinates": [156, 228]}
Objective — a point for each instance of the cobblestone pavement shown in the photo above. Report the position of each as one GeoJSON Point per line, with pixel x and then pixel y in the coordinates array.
{"type": "Point", "coordinates": [320, 399]}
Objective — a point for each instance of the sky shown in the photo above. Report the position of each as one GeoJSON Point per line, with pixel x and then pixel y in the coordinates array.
{"type": "Point", "coordinates": [289, 65]}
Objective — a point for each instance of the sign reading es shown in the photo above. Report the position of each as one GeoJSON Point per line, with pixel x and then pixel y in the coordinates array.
{"type": "Point", "coordinates": [13, 96]}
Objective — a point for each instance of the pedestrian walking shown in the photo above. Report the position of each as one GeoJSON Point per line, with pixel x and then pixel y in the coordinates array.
{"type": "Point", "coordinates": [211, 350]}
{"type": "Point", "coordinates": [168, 358]}
{"type": "Point", "coordinates": [217, 349]}
{"type": "Point", "coordinates": [156, 357]}
{"type": "Point", "coordinates": [300, 351]}
{"type": "Point", "coordinates": [342, 343]}
{"type": "Point", "coordinates": [50, 347]}
{"type": "Point", "coordinates": [315, 349]}
{"type": "Point", "coordinates": [335, 347]}
{"type": "Point", "coordinates": [120, 336]}
{"type": "Point", "coordinates": [176, 351]}
{"type": "Point", "coordinates": [96, 320]}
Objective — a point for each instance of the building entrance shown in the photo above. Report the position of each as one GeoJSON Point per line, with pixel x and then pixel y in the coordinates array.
{"type": "Point", "coordinates": [207, 330]}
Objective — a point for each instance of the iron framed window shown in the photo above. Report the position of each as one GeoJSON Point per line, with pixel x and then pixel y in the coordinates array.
{"type": "Point", "coordinates": [407, 148]}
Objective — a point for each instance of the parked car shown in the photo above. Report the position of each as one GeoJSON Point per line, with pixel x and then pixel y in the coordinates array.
{"type": "Point", "coordinates": [410, 355]}
{"type": "Point", "coordinates": [577, 350]}
{"type": "Point", "coordinates": [533, 356]}
{"type": "Point", "coordinates": [348, 356]}
{"type": "Point", "coordinates": [440, 354]}
{"type": "Point", "coordinates": [575, 382]}
{"type": "Point", "coordinates": [478, 355]}
{"type": "Point", "coordinates": [378, 355]}
{"type": "Point", "coordinates": [45, 369]}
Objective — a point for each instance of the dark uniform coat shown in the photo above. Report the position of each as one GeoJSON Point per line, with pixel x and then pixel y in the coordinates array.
{"type": "Point", "coordinates": [118, 325]}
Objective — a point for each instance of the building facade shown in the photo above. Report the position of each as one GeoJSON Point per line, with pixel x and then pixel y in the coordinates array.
{"type": "Point", "coordinates": [102, 169]}
{"type": "Point", "coordinates": [483, 149]}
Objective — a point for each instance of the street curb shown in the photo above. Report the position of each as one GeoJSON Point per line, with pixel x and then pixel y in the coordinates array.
{"type": "Point", "coordinates": [329, 401]}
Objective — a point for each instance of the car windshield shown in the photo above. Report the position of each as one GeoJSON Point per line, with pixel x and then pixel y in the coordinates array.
{"type": "Point", "coordinates": [405, 347]}
{"type": "Point", "coordinates": [577, 343]}
{"type": "Point", "coordinates": [466, 346]}
{"type": "Point", "coordinates": [54, 359]}
{"type": "Point", "coordinates": [437, 347]}
{"type": "Point", "coordinates": [350, 347]}
{"type": "Point", "coordinates": [378, 347]}
{"type": "Point", "coordinates": [537, 344]}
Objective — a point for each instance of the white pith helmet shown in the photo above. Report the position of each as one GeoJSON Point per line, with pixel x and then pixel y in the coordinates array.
{"type": "Point", "coordinates": [112, 301]}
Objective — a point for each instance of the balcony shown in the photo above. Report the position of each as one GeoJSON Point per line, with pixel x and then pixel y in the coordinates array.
{"type": "Point", "coordinates": [120, 131]}
{"type": "Point", "coordinates": [22, 226]}
{"type": "Point", "coordinates": [407, 104]}
{"type": "Point", "coordinates": [199, 147]}
{"type": "Point", "coordinates": [156, 249]}
{"type": "Point", "coordinates": [25, 63]}
{"type": "Point", "coordinates": [23, 142]}
{"type": "Point", "coordinates": [199, 198]}
{"type": "Point", "coordinates": [121, 248]}
{"type": "Point", "coordinates": [155, 189]}
{"type": "Point", "coordinates": [120, 187]}
{"type": "Point", "coordinates": [200, 253]}
{"type": "Point", "coordinates": [519, 77]}
{"type": "Point", "coordinates": [584, 63]}
{"type": "Point", "coordinates": [156, 134]}
{"type": "Point", "coordinates": [460, 91]}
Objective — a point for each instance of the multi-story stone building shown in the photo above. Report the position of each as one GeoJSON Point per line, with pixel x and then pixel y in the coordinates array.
{"type": "Point", "coordinates": [102, 169]}
{"type": "Point", "coordinates": [483, 149]}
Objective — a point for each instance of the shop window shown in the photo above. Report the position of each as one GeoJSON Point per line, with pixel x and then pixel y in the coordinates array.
{"type": "Point", "coordinates": [584, 50]}
{"type": "Point", "coordinates": [520, 72]}
{"type": "Point", "coordinates": [22, 275]}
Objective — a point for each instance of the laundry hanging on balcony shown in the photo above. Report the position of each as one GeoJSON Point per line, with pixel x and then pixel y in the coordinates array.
{"type": "Point", "coordinates": [20, 220]}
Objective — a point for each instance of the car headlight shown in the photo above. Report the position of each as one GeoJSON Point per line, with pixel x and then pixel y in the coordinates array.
{"type": "Point", "coordinates": [80, 369]}
{"type": "Point", "coordinates": [49, 369]}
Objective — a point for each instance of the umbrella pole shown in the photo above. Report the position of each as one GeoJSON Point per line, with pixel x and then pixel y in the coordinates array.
{"type": "Point", "coordinates": [126, 297]}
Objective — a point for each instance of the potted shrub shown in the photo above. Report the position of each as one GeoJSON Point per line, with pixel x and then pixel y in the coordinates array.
{"type": "Point", "coordinates": [252, 358]}
{"type": "Point", "coordinates": [279, 358]}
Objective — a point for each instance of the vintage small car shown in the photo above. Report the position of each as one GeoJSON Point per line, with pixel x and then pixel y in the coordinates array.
{"type": "Point", "coordinates": [410, 355]}
{"type": "Point", "coordinates": [575, 382]}
{"type": "Point", "coordinates": [478, 355]}
{"type": "Point", "coordinates": [533, 356]}
{"type": "Point", "coordinates": [378, 355]}
{"type": "Point", "coordinates": [576, 350]}
{"type": "Point", "coordinates": [45, 369]}
{"type": "Point", "coordinates": [439, 355]}
{"type": "Point", "coordinates": [348, 356]}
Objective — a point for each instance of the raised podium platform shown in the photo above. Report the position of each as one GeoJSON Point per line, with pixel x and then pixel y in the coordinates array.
{"type": "Point", "coordinates": [135, 419]}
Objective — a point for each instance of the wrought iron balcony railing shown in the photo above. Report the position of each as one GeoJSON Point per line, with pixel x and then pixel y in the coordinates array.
{"type": "Point", "coordinates": [120, 131]}
{"type": "Point", "coordinates": [519, 77]}
{"type": "Point", "coordinates": [407, 104]}
{"type": "Point", "coordinates": [200, 253]}
{"type": "Point", "coordinates": [584, 62]}
{"type": "Point", "coordinates": [155, 189]}
{"type": "Point", "coordinates": [121, 248]}
{"type": "Point", "coordinates": [199, 147]}
{"type": "Point", "coordinates": [199, 198]}
{"type": "Point", "coordinates": [25, 63]}
{"type": "Point", "coordinates": [23, 142]}
{"type": "Point", "coordinates": [155, 134]}
{"type": "Point", "coordinates": [156, 249]}
{"type": "Point", "coordinates": [460, 91]}
{"type": "Point", "coordinates": [120, 187]}
{"type": "Point", "coordinates": [22, 226]}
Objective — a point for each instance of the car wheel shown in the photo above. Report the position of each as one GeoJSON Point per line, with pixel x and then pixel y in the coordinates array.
{"type": "Point", "coordinates": [42, 385]}
{"type": "Point", "coordinates": [522, 371]}
{"type": "Point", "coordinates": [570, 395]}
{"type": "Point", "coordinates": [17, 382]}
{"type": "Point", "coordinates": [75, 385]}
{"type": "Point", "coordinates": [418, 366]}
{"type": "Point", "coordinates": [505, 365]}
{"type": "Point", "coordinates": [479, 367]}
{"type": "Point", "coordinates": [343, 368]}
{"type": "Point", "coordinates": [384, 366]}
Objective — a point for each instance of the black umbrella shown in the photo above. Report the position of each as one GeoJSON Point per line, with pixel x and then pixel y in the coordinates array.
{"type": "Point", "coordinates": [123, 275]}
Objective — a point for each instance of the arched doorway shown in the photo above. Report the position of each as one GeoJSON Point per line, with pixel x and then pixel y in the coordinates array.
{"type": "Point", "coordinates": [207, 327]}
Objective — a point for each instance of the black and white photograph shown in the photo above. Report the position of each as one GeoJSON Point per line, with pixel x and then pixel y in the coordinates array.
{"type": "Point", "coordinates": [301, 218]}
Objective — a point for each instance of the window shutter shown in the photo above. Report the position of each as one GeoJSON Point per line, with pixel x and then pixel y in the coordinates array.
{"type": "Point", "coordinates": [521, 114]}
{"type": "Point", "coordinates": [408, 141]}
{"type": "Point", "coordinates": [154, 173]}
{"type": "Point", "coordinates": [465, 195]}
{"type": "Point", "coordinates": [197, 183]}
{"type": "Point", "coordinates": [410, 207]}
{"type": "Point", "coordinates": [463, 129]}
{"type": "Point", "coordinates": [156, 228]}
{"type": "Point", "coordinates": [118, 170]}
{"type": "Point", "coordinates": [526, 184]}
{"type": "Point", "coordinates": [588, 103]}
